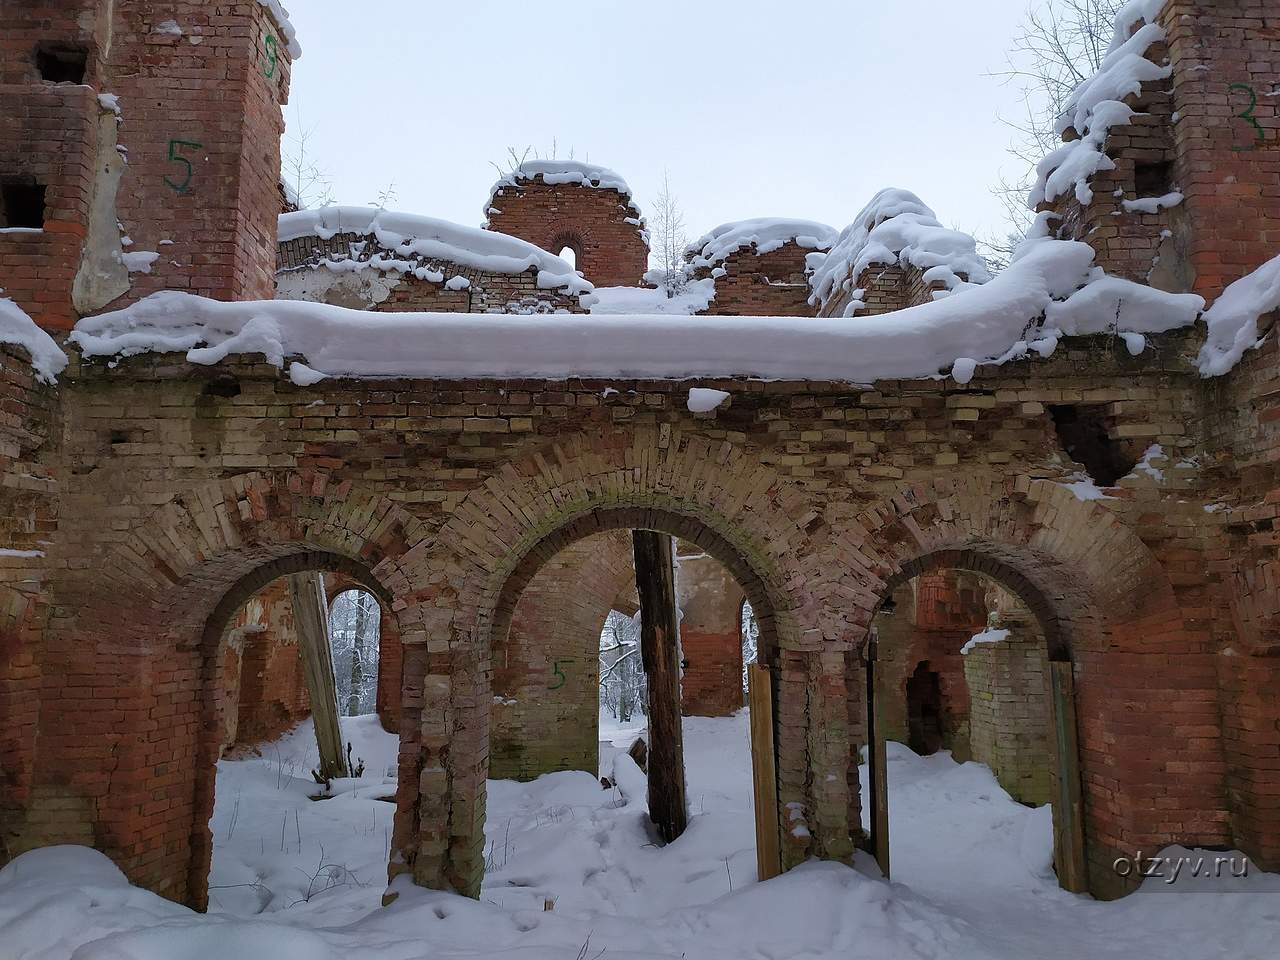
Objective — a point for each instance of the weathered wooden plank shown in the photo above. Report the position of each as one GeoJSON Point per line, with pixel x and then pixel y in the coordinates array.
{"type": "Point", "coordinates": [764, 771]}
{"type": "Point", "coordinates": [655, 583]}
{"type": "Point", "coordinates": [1068, 806]}
{"type": "Point", "coordinates": [310, 619]}
{"type": "Point", "coordinates": [877, 764]}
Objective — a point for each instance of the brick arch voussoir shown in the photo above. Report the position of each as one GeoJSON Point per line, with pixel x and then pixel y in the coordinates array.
{"type": "Point", "coordinates": [739, 509]}
{"type": "Point", "coordinates": [218, 534]}
{"type": "Point", "coordinates": [1065, 557]}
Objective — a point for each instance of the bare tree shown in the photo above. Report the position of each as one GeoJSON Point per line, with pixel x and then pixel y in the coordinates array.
{"type": "Point", "coordinates": [667, 233]}
{"type": "Point", "coordinates": [306, 184]}
{"type": "Point", "coordinates": [622, 678]}
{"type": "Point", "coordinates": [353, 633]}
{"type": "Point", "coordinates": [1060, 45]}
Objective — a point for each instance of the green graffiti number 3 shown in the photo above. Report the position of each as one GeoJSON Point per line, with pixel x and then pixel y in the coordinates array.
{"type": "Point", "coordinates": [557, 672]}
{"type": "Point", "coordinates": [175, 156]}
{"type": "Point", "coordinates": [271, 46]}
{"type": "Point", "coordinates": [1247, 114]}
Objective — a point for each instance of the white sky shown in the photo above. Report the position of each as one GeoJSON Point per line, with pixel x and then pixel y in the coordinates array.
{"type": "Point", "coordinates": [798, 109]}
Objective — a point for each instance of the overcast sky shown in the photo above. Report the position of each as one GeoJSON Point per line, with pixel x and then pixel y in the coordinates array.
{"type": "Point", "coordinates": [792, 109]}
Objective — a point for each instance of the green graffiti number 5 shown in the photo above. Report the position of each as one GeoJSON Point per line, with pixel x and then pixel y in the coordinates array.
{"type": "Point", "coordinates": [271, 46]}
{"type": "Point", "coordinates": [176, 157]}
{"type": "Point", "coordinates": [1247, 114]}
{"type": "Point", "coordinates": [557, 672]}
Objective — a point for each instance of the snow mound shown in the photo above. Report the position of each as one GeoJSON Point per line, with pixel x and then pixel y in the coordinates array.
{"type": "Point", "coordinates": [1233, 319]}
{"type": "Point", "coordinates": [408, 235]}
{"type": "Point", "coordinates": [693, 296]}
{"type": "Point", "coordinates": [563, 171]}
{"type": "Point", "coordinates": [999, 321]}
{"type": "Point", "coordinates": [1097, 105]}
{"type": "Point", "coordinates": [286, 28]}
{"type": "Point", "coordinates": [47, 358]}
{"type": "Point", "coordinates": [764, 234]}
{"type": "Point", "coordinates": [895, 227]}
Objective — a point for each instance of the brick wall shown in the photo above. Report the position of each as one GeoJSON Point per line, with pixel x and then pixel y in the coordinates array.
{"type": "Point", "coordinates": [1009, 708]}
{"type": "Point", "coordinates": [884, 287]}
{"type": "Point", "coordinates": [821, 466]}
{"type": "Point", "coordinates": [710, 602]}
{"type": "Point", "coordinates": [593, 222]}
{"type": "Point", "coordinates": [272, 697]}
{"type": "Point", "coordinates": [546, 699]}
{"type": "Point", "coordinates": [214, 229]}
{"type": "Point", "coordinates": [487, 291]}
{"type": "Point", "coordinates": [770, 284]}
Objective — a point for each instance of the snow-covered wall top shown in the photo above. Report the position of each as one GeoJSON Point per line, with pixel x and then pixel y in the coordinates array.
{"type": "Point", "coordinates": [1097, 105]}
{"type": "Point", "coordinates": [1050, 290]}
{"type": "Point", "coordinates": [895, 227]}
{"type": "Point", "coordinates": [18, 329]}
{"type": "Point", "coordinates": [562, 171]}
{"type": "Point", "coordinates": [766, 234]}
{"type": "Point", "coordinates": [407, 235]}
{"type": "Point", "coordinates": [286, 28]}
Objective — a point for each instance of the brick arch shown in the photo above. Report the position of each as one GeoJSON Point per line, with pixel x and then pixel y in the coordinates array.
{"type": "Point", "coordinates": [766, 530]}
{"type": "Point", "coordinates": [1107, 604]}
{"type": "Point", "coordinates": [159, 606]}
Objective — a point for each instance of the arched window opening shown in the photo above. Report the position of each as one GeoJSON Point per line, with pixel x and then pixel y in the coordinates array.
{"type": "Point", "coordinates": [354, 636]}
{"type": "Point", "coordinates": [569, 255]}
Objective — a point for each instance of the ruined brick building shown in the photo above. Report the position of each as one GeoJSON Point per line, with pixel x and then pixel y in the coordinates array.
{"type": "Point", "coordinates": [1100, 491]}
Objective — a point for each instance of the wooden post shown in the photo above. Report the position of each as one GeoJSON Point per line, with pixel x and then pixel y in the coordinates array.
{"type": "Point", "coordinates": [1068, 806]}
{"type": "Point", "coordinates": [764, 773]}
{"type": "Point", "coordinates": [877, 764]}
{"type": "Point", "coordinates": [310, 619]}
{"type": "Point", "coordinates": [655, 582]}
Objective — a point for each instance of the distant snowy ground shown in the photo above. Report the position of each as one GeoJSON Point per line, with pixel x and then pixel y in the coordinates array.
{"type": "Point", "coordinates": [970, 872]}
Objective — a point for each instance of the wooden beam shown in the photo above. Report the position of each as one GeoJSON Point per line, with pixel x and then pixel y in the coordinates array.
{"type": "Point", "coordinates": [1068, 807]}
{"type": "Point", "coordinates": [764, 771]}
{"type": "Point", "coordinates": [877, 763]}
{"type": "Point", "coordinates": [311, 620]}
{"type": "Point", "coordinates": [659, 634]}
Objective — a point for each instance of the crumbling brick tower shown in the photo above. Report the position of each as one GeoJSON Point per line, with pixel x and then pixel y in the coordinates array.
{"type": "Point", "coordinates": [187, 171]}
{"type": "Point", "coordinates": [139, 151]}
{"type": "Point", "coordinates": [555, 204]}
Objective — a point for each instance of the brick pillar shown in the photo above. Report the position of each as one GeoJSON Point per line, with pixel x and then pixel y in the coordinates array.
{"type": "Point", "coordinates": [710, 635]}
{"type": "Point", "coordinates": [390, 672]}
{"type": "Point", "coordinates": [1226, 57]}
{"type": "Point", "coordinates": [202, 126]}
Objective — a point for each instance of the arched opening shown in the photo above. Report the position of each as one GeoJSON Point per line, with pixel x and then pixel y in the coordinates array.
{"type": "Point", "coordinates": [354, 619]}
{"type": "Point", "coordinates": [961, 672]}
{"type": "Point", "coordinates": [717, 769]}
{"type": "Point", "coordinates": [304, 768]}
{"type": "Point", "coordinates": [924, 710]}
{"type": "Point", "coordinates": [569, 255]}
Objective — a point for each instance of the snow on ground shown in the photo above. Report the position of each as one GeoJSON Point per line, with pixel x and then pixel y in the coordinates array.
{"type": "Point", "coordinates": [970, 871]}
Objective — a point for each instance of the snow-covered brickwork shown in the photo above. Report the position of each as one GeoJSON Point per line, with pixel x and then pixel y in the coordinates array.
{"type": "Point", "coordinates": [582, 206]}
{"type": "Point", "coordinates": [1049, 291]}
{"type": "Point", "coordinates": [287, 31]}
{"type": "Point", "coordinates": [757, 266]}
{"type": "Point", "coordinates": [895, 229]}
{"type": "Point", "coordinates": [761, 235]}
{"type": "Point", "coordinates": [370, 258]}
{"type": "Point", "coordinates": [18, 329]}
{"type": "Point", "coordinates": [1233, 319]}
{"type": "Point", "coordinates": [1098, 105]}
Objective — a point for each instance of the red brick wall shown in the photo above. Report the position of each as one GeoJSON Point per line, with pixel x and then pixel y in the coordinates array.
{"type": "Point", "coordinates": [488, 292]}
{"type": "Point", "coordinates": [220, 223]}
{"type": "Point", "coordinates": [710, 602]}
{"type": "Point", "coordinates": [769, 284]}
{"type": "Point", "coordinates": [610, 251]}
{"type": "Point", "coordinates": [272, 687]}
{"type": "Point", "coordinates": [28, 522]}
{"type": "Point", "coordinates": [221, 220]}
